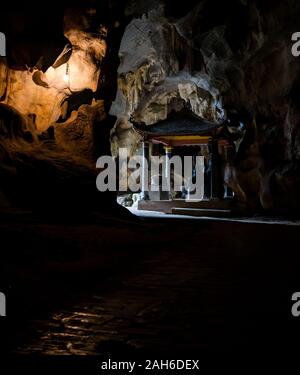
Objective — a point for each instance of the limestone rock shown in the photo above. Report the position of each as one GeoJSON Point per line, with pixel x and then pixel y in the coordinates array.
{"type": "Point", "coordinates": [155, 76]}
{"type": "Point", "coordinates": [77, 68]}
{"type": "Point", "coordinates": [77, 134]}
{"type": "Point", "coordinates": [219, 58]}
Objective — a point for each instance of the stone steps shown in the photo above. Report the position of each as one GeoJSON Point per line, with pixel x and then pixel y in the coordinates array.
{"type": "Point", "coordinates": [169, 206]}
{"type": "Point", "coordinates": [201, 212]}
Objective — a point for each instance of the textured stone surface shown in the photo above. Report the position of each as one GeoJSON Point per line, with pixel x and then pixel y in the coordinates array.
{"type": "Point", "coordinates": [221, 59]}
{"type": "Point", "coordinates": [18, 89]}
{"type": "Point", "coordinates": [29, 99]}
{"type": "Point", "coordinates": [77, 134]}
{"type": "Point", "coordinates": [154, 76]}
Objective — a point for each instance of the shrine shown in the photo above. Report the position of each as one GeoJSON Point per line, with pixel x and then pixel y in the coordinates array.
{"type": "Point", "coordinates": [186, 134]}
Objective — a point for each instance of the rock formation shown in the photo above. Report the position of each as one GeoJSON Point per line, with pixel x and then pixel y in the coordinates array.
{"type": "Point", "coordinates": [49, 165]}
{"type": "Point", "coordinates": [76, 69]}
{"type": "Point", "coordinates": [221, 59]}
{"type": "Point", "coordinates": [224, 60]}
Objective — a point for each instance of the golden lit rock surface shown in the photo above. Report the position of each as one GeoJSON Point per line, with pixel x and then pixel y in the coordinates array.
{"type": "Point", "coordinates": [43, 97]}
{"type": "Point", "coordinates": [29, 98]}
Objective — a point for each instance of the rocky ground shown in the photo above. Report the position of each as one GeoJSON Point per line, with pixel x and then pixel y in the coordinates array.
{"type": "Point", "coordinates": [105, 288]}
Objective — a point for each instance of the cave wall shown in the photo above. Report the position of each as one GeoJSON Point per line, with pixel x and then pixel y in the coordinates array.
{"type": "Point", "coordinates": [47, 162]}
{"type": "Point", "coordinates": [220, 58]}
{"type": "Point", "coordinates": [140, 60]}
{"type": "Point", "coordinates": [58, 77]}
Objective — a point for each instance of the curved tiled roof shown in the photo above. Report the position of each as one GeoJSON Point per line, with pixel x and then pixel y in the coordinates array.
{"type": "Point", "coordinates": [179, 123]}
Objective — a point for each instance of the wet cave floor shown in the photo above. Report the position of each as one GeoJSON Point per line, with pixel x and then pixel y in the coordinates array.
{"type": "Point", "coordinates": [166, 287]}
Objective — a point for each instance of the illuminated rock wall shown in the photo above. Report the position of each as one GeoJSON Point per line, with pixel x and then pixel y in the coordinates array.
{"type": "Point", "coordinates": [18, 89]}
{"type": "Point", "coordinates": [156, 75]}
{"type": "Point", "coordinates": [221, 59]}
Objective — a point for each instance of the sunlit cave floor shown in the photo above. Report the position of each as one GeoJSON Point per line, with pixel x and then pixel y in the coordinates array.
{"type": "Point", "coordinates": [257, 219]}
{"type": "Point", "coordinates": [169, 287]}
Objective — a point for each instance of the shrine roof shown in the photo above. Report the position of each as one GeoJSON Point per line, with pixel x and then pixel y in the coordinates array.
{"type": "Point", "coordinates": [179, 123]}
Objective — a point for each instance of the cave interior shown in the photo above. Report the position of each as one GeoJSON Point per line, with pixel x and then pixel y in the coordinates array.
{"type": "Point", "coordinates": [84, 79]}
